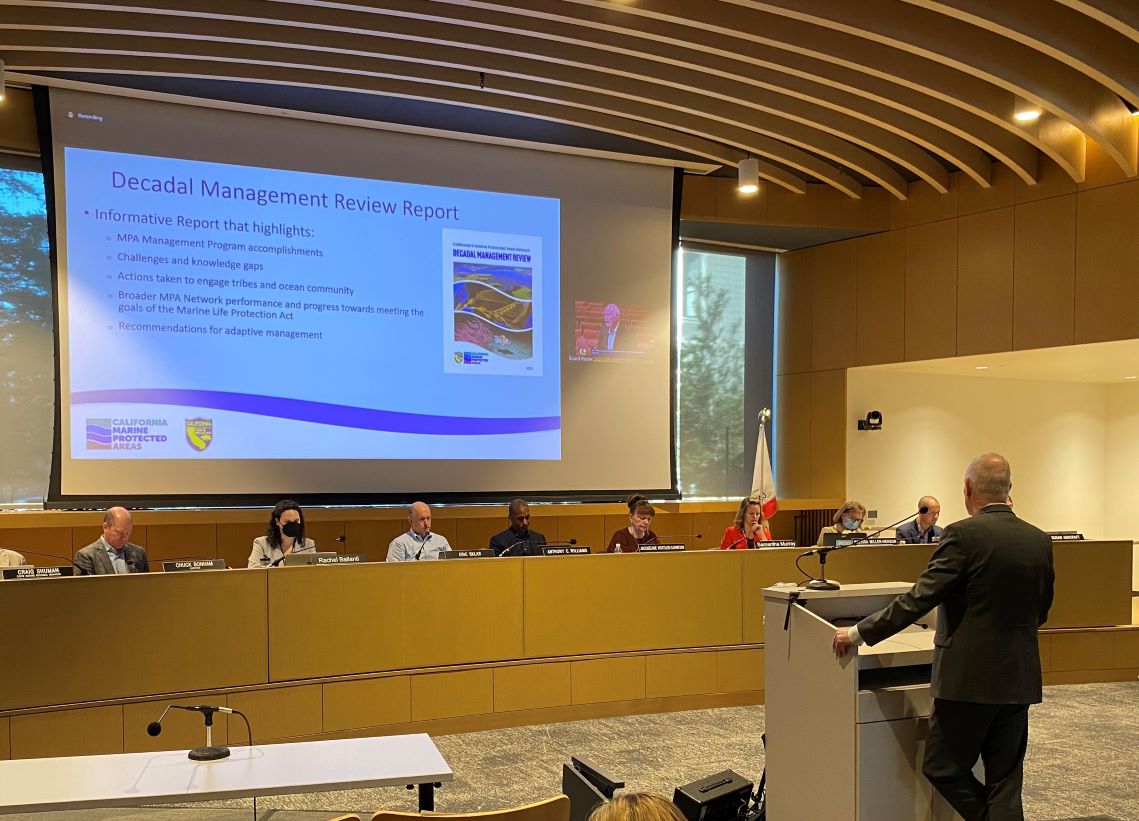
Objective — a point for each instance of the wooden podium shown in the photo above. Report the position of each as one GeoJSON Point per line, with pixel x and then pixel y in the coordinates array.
{"type": "Point", "coordinates": [845, 739]}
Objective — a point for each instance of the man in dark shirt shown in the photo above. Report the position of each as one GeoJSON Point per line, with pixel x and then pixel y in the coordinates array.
{"type": "Point", "coordinates": [518, 539]}
{"type": "Point", "coordinates": [992, 577]}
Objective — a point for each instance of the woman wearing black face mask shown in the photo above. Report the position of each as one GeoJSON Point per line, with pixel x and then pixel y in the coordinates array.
{"type": "Point", "coordinates": [285, 534]}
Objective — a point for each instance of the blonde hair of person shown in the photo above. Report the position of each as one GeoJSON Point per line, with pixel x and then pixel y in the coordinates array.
{"type": "Point", "coordinates": [637, 806]}
{"type": "Point", "coordinates": [744, 505]}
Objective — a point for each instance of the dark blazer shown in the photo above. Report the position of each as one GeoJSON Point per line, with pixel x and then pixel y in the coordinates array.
{"type": "Point", "coordinates": [992, 575]}
{"type": "Point", "coordinates": [623, 339]}
{"type": "Point", "coordinates": [909, 533]}
{"type": "Point", "coordinates": [526, 546]}
{"type": "Point", "coordinates": [92, 560]}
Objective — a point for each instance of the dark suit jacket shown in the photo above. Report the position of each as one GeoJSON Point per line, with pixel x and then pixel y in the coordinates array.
{"type": "Point", "coordinates": [499, 542]}
{"type": "Point", "coordinates": [623, 339]}
{"type": "Point", "coordinates": [93, 560]}
{"type": "Point", "coordinates": [992, 575]}
{"type": "Point", "coordinates": [909, 532]}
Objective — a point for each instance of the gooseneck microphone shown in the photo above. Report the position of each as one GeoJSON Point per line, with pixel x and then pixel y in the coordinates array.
{"type": "Point", "coordinates": [63, 559]}
{"type": "Point", "coordinates": [210, 752]}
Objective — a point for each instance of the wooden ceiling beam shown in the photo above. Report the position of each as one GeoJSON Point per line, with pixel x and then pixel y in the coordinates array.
{"type": "Point", "coordinates": [618, 96]}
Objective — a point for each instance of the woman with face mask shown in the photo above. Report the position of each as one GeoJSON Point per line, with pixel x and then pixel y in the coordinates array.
{"type": "Point", "coordinates": [284, 535]}
{"type": "Point", "coordinates": [847, 521]}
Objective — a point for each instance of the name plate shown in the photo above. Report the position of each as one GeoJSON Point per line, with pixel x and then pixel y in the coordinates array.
{"type": "Point", "coordinates": [37, 572]}
{"type": "Point", "coordinates": [1067, 537]}
{"type": "Point", "coordinates": [193, 564]}
{"type": "Point", "coordinates": [662, 548]}
{"type": "Point", "coordinates": [347, 558]}
{"type": "Point", "coordinates": [486, 553]}
{"type": "Point", "coordinates": [565, 550]}
{"type": "Point", "coordinates": [777, 543]}
{"type": "Point", "coordinates": [851, 542]}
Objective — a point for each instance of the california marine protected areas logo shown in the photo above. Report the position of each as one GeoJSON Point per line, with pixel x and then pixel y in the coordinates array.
{"type": "Point", "coordinates": [99, 434]}
{"type": "Point", "coordinates": [199, 433]}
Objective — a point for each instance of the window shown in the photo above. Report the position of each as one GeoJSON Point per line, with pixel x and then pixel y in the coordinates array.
{"type": "Point", "coordinates": [27, 370]}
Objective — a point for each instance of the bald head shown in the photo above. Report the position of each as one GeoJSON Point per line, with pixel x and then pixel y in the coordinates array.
{"type": "Point", "coordinates": [419, 517]}
{"type": "Point", "coordinates": [988, 479]}
{"type": "Point", "coordinates": [117, 526]}
{"type": "Point", "coordinates": [932, 509]}
{"type": "Point", "coordinates": [519, 517]}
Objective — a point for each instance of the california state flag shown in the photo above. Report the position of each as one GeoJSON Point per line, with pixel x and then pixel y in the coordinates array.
{"type": "Point", "coordinates": [762, 479]}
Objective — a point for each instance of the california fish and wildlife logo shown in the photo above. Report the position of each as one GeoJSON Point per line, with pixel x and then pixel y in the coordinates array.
{"type": "Point", "coordinates": [99, 434]}
{"type": "Point", "coordinates": [199, 433]}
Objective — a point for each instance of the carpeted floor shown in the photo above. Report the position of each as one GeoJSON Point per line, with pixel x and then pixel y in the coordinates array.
{"type": "Point", "coordinates": [1082, 764]}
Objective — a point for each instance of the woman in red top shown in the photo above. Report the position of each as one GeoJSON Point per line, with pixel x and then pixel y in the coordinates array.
{"type": "Point", "coordinates": [749, 529]}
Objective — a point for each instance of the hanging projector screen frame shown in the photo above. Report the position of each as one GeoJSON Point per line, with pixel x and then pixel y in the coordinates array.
{"type": "Point", "coordinates": [57, 498]}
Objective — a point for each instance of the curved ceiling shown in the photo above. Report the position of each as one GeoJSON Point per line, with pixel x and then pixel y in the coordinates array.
{"type": "Point", "coordinates": [879, 92]}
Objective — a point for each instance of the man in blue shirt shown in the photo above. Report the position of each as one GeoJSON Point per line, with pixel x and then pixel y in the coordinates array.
{"type": "Point", "coordinates": [419, 542]}
{"type": "Point", "coordinates": [113, 552]}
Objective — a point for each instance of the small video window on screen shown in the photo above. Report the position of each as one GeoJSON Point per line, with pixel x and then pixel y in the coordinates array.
{"type": "Point", "coordinates": [610, 331]}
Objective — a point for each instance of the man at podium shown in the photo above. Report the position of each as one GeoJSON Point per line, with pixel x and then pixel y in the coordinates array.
{"type": "Point", "coordinates": [992, 576]}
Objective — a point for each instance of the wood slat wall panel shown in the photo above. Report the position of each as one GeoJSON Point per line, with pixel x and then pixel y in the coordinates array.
{"type": "Point", "coordinates": [366, 703]}
{"type": "Point", "coordinates": [531, 686]}
{"type": "Point", "coordinates": [931, 290]}
{"type": "Point", "coordinates": [1107, 276]}
{"type": "Point", "coordinates": [881, 305]}
{"type": "Point", "coordinates": [1044, 273]}
{"type": "Point", "coordinates": [834, 286]}
{"type": "Point", "coordinates": [90, 731]}
{"type": "Point", "coordinates": [985, 282]}
{"type": "Point", "coordinates": [278, 713]}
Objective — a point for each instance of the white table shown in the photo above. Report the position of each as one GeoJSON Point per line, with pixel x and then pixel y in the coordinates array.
{"type": "Point", "coordinates": [78, 782]}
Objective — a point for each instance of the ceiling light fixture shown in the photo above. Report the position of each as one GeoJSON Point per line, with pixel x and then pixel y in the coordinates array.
{"type": "Point", "coordinates": [749, 176]}
{"type": "Point", "coordinates": [981, 368]}
{"type": "Point", "coordinates": [1130, 377]}
{"type": "Point", "coordinates": [1027, 115]}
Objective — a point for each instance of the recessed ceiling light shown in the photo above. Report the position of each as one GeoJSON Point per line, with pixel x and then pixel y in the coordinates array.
{"type": "Point", "coordinates": [1027, 115]}
{"type": "Point", "coordinates": [981, 368]}
{"type": "Point", "coordinates": [1130, 377]}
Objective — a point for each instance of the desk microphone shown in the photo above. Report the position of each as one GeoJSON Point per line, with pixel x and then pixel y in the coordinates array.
{"type": "Point", "coordinates": [210, 752]}
{"type": "Point", "coordinates": [567, 543]}
{"type": "Point", "coordinates": [63, 559]}
{"type": "Point", "coordinates": [673, 538]}
{"type": "Point", "coordinates": [516, 544]}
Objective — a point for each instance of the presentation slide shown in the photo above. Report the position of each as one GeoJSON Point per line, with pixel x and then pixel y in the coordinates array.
{"type": "Point", "coordinates": [193, 277]}
{"type": "Point", "coordinates": [254, 307]}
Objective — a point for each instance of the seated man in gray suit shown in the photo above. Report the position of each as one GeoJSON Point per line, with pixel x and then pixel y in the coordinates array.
{"type": "Point", "coordinates": [113, 552]}
{"type": "Point", "coordinates": [923, 529]}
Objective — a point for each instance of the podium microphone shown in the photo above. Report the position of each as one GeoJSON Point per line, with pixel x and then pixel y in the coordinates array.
{"type": "Point", "coordinates": [823, 583]}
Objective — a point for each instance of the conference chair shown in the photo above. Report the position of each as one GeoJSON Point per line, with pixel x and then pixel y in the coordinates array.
{"type": "Point", "coordinates": [552, 809]}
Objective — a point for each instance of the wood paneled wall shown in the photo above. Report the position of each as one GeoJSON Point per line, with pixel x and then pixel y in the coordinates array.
{"type": "Point", "coordinates": [972, 271]}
